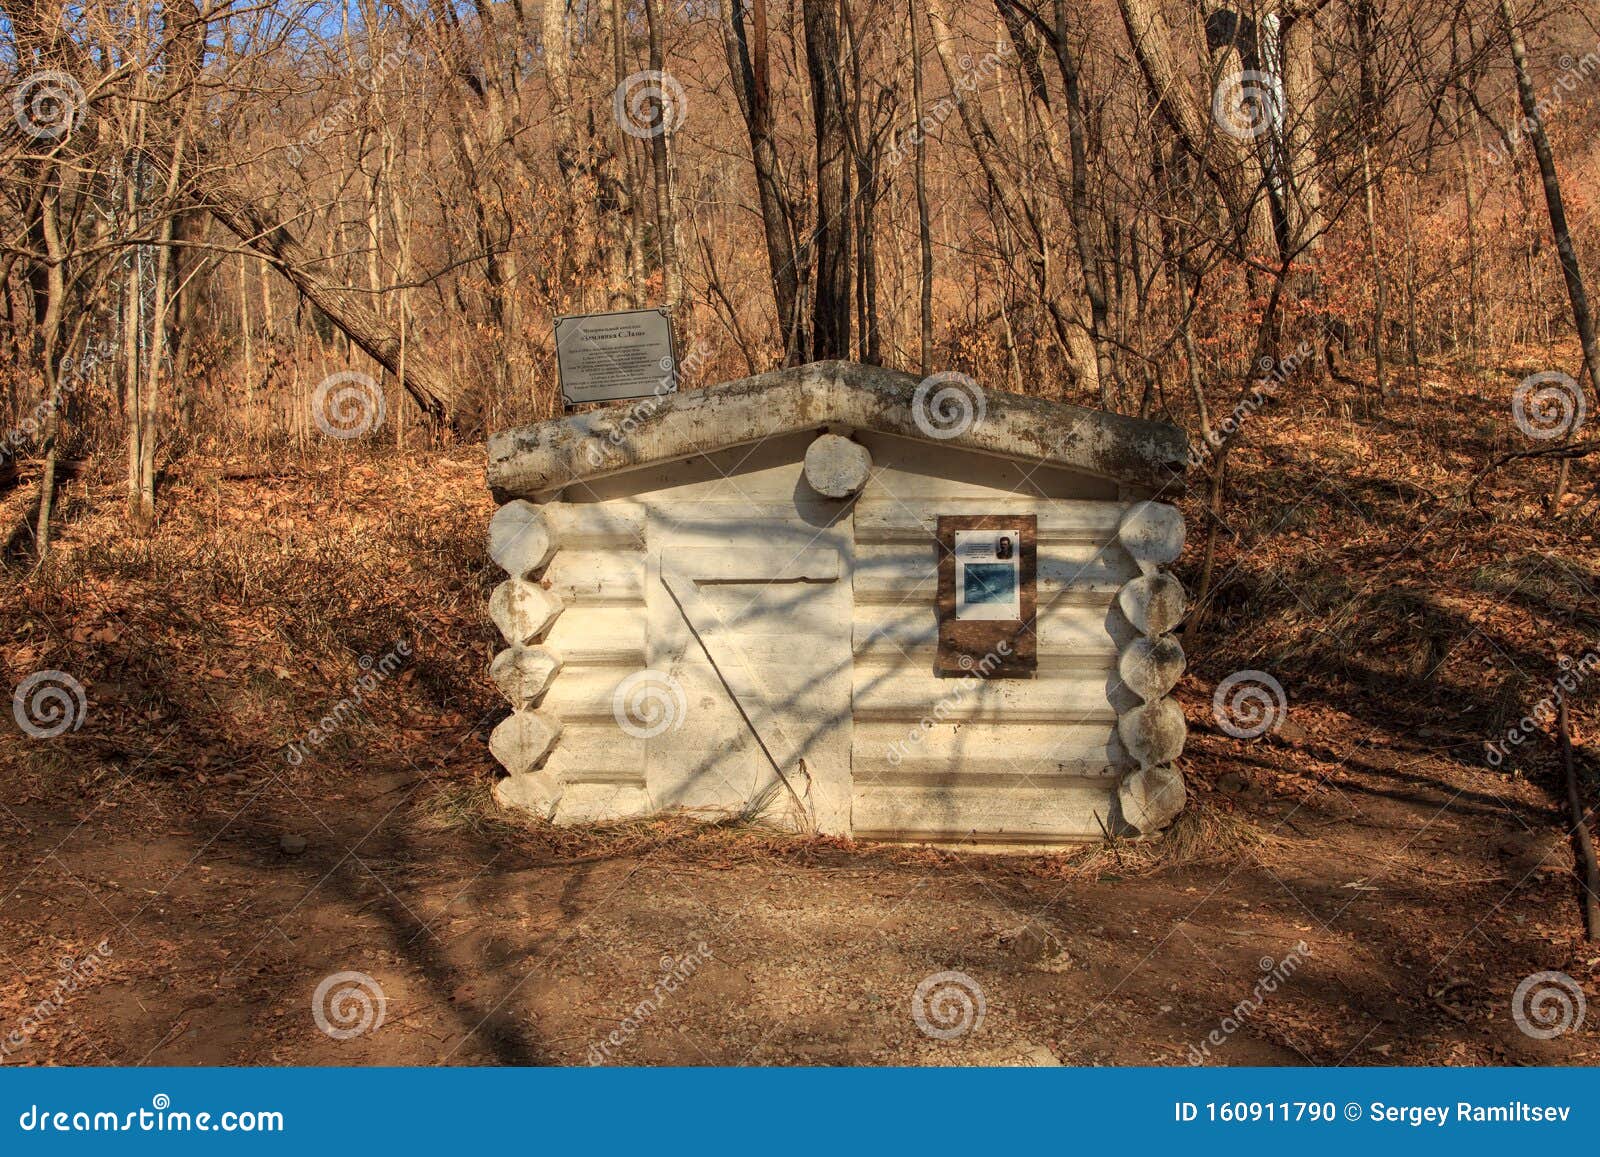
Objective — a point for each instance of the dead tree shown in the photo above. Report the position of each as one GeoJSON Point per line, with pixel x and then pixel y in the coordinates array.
{"type": "Point", "coordinates": [434, 391]}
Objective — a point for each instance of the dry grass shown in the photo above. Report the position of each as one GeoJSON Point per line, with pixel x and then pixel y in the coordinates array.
{"type": "Point", "coordinates": [1352, 568]}
{"type": "Point", "coordinates": [1404, 625]}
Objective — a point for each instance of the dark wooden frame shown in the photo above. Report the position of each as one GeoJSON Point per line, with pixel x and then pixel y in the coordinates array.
{"type": "Point", "coordinates": [965, 644]}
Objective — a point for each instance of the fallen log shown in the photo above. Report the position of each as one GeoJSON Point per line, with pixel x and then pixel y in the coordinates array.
{"type": "Point", "coordinates": [434, 391]}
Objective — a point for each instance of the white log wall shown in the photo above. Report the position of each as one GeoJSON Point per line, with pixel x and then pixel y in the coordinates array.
{"type": "Point", "coordinates": [1010, 761]}
{"type": "Point", "coordinates": [1005, 761]}
{"type": "Point", "coordinates": [599, 573]}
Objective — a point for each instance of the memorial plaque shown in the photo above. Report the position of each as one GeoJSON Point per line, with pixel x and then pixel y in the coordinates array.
{"type": "Point", "coordinates": [604, 357]}
{"type": "Point", "coordinates": [988, 594]}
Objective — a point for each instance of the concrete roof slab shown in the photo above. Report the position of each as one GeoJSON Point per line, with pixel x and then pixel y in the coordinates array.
{"type": "Point", "coordinates": [531, 461]}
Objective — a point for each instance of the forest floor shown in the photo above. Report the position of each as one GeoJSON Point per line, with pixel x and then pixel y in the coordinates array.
{"type": "Point", "coordinates": [1361, 887]}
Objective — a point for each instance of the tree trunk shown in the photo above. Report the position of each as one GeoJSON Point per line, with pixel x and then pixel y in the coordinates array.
{"type": "Point", "coordinates": [924, 229]}
{"type": "Point", "coordinates": [620, 170]}
{"type": "Point", "coordinates": [1582, 318]}
{"type": "Point", "coordinates": [666, 218]}
{"type": "Point", "coordinates": [1380, 290]}
{"type": "Point", "coordinates": [189, 274]}
{"type": "Point", "coordinates": [1019, 211]}
{"type": "Point", "coordinates": [1306, 224]}
{"type": "Point", "coordinates": [430, 386]}
{"type": "Point", "coordinates": [1078, 206]}
{"type": "Point", "coordinates": [142, 486]}
{"type": "Point", "coordinates": [133, 321]}
{"type": "Point", "coordinates": [831, 236]}
{"type": "Point", "coordinates": [866, 152]}
{"type": "Point", "coordinates": [572, 157]}
{"type": "Point", "coordinates": [749, 69]}
{"type": "Point", "coordinates": [1474, 261]}
{"type": "Point", "coordinates": [1235, 42]}
{"type": "Point", "coordinates": [1151, 38]}
{"type": "Point", "coordinates": [56, 282]}
{"type": "Point", "coordinates": [1413, 335]}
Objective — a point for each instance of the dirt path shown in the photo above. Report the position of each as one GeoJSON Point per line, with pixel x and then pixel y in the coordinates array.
{"type": "Point", "coordinates": [1392, 916]}
{"type": "Point", "coordinates": [1424, 885]}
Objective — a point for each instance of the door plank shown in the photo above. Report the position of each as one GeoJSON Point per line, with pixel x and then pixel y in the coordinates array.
{"type": "Point", "coordinates": [822, 794]}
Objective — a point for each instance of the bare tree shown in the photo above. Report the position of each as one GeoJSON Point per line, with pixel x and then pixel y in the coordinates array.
{"type": "Point", "coordinates": [1582, 317]}
{"type": "Point", "coordinates": [920, 175]}
{"type": "Point", "coordinates": [663, 123]}
{"type": "Point", "coordinates": [831, 235]}
{"type": "Point", "coordinates": [749, 66]}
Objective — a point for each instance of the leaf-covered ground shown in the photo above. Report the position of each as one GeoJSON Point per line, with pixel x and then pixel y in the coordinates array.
{"type": "Point", "coordinates": [215, 865]}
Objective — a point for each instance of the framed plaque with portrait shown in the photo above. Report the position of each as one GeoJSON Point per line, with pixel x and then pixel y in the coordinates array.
{"type": "Point", "coordinates": [988, 594]}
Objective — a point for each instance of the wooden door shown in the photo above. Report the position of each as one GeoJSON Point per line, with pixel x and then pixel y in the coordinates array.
{"type": "Point", "coordinates": [758, 635]}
